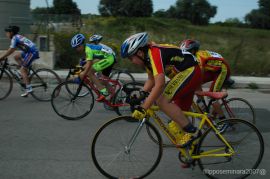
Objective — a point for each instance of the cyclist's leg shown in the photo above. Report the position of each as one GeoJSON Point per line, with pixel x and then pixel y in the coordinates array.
{"type": "Point", "coordinates": [18, 57]}
{"type": "Point", "coordinates": [107, 71]}
{"type": "Point", "coordinates": [26, 60]}
{"type": "Point", "coordinates": [183, 84]}
{"type": "Point", "coordinates": [103, 64]}
{"type": "Point", "coordinates": [217, 86]}
{"type": "Point", "coordinates": [207, 76]}
{"type": "Point", "coordinates": [100, 66]}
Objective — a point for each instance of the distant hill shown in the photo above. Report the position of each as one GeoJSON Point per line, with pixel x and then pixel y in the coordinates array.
{"type": "Point", "coordinates": [247, 50]}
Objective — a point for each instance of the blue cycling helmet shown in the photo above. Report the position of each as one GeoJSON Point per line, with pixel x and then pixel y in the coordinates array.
{"type": "Point", "coordinates": [131, 45]}
{"type": "Point", "coordinates": [95, 38]}
{"type": "Point", "coordinates": [77, 40]}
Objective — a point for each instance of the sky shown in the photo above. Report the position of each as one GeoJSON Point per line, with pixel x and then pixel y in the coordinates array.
{"type": "Point", "coordinates": [225, 8]}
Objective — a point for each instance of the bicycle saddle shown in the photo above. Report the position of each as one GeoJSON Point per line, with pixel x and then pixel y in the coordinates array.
{"type": "Point", "coordinates": [214, 95]}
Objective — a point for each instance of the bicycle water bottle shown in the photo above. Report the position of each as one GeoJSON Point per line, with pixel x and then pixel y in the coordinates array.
{"type": "Point", "coordinates": [174, 130]}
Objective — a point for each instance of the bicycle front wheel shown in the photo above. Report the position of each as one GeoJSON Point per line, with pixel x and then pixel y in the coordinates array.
{"type": "Point", "coordinates": [43, 82]}
{"type": "Point", "coordinates": [247, 143]}
{"type": "Point", "coordinates": [239, 108]}
{"type": "Point", "coordinates": [116, 155]}
{"type": "Point", "coordinates": [123, 96]}
{"type": "Point", "coordinates": [6, 84]}
{"type": "Point", "coordinates": [69, 104]}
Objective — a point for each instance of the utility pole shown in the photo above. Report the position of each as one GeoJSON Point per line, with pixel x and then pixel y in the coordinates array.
{"type": "Point", "coordinates": [47, 26]}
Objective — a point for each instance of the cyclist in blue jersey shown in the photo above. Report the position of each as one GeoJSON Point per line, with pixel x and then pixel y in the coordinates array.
{"type": "Point", "coordinates": [28, 54]}
{"type": "Point", "coordinates": [99, 58]}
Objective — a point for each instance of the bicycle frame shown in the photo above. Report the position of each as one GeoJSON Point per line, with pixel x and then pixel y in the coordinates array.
{"type": "Point", "coordinates": [207, 106]}
{"type": "Point", "coordinates": [7, 67]}
{"type": "Point", "coordinates": [115, 83]}
{"type": "Point", "coordinates": [187, 152]}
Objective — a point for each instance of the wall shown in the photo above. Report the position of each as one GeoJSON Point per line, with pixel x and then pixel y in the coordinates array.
{"type": "Point", "coordinates": [14, 12]}
{"type": "Point", "coordinates": [45, 60]}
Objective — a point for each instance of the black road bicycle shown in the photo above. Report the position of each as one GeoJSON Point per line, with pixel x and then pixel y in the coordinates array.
{"type": "Point", "coordinates": [43, 81]}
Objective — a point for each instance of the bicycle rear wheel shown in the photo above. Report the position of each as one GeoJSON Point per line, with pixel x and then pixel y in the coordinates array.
{"type": "Point", "coordinates": [248, 146]}
{"type": "Point", "coordinates": [239, 108]}
{"type": "Point", "coordinates": [112, 156]}
{"type": "Point", "coordinates": [6, 84]}
{"type": "Point", "coordinates": [67, 106]}
{"type": "Point", "coordinates": [44, 82]}
{"type": "Point", "coordinates": [122, 76]}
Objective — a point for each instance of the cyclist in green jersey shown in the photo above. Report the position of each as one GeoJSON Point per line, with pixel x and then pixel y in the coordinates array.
{"type": "Point", "coordinates": [99, 58]}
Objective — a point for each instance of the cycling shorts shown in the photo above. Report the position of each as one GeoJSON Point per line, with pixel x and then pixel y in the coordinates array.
{"type": "Point", "coordinates": [218, 78]}
{"type": "Point", "coordinates": [104, 65]}
{"type": "Point", "coordinates": [181, 87]}
{"type": "Point", "coordinates": [28, 58]}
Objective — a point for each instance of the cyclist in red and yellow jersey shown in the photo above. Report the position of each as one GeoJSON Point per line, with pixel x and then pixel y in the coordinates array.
{"type": "Point", "coordinates": [180, 89]}
{"type": "Point", "coordinates": [214, 67]}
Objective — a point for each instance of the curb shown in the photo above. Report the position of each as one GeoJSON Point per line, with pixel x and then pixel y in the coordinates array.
{"type": "Point", "coordinates": [240, 81]}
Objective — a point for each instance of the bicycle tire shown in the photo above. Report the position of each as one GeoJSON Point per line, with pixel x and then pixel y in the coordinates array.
{"type": "Point", "coordinates": [122, 76]}
{"type": "Point", "coordinates": [6, 84]}
{"type": "Point", "coordinates": [43, 82]}
{"type": "Point", "coordinates": [112, 158]}
{"type": "Point", "coordinates": [73, 109]}
{"type": "Point", "coordinates": [239, 108]}
{"type": "Point", "coordinates": [242, 147]}
{"type": "Point", "coordinates": [123, 96]}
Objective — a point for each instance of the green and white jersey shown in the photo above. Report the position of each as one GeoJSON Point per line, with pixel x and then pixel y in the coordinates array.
{"type": "Point", "coordinates": [99, 51]}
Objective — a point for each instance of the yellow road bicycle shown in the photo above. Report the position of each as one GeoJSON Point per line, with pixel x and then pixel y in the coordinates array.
{"type": "Point", "coordinates": [123, 148]}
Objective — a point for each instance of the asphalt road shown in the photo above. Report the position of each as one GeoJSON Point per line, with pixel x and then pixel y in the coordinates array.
{"type": "Point", "coordinates": [35, 143]}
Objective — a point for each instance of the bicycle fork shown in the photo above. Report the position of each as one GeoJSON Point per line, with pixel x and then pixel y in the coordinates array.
{"type": "Point", "coordinates": [134, 136]}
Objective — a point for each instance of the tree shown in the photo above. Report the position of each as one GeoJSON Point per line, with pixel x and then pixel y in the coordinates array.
{"type": "Point", "coordinates": [138, 8]}
{"type": "Point", "coordinates": [43, 10]}
{"type": "Point", "coordinates": [264, 7]}
{"type": "Point", "coordinates": [109, 7]}
{"type": "Point", "coordinates": [260, 18]}
{"type": "Point", "coordinates": [65, 7]}
{"type": "Point", "coordinates": [130, 8]}
{"type": "Point", "coordinates": [160, 13]}
{"type": "Point", "coordinates": [196, 11]}
{"type": "Point", "coordinates": [59, 7]}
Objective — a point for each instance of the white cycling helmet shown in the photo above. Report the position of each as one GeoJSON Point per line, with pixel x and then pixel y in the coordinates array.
{"type": "Point", "coordinates": [95, 38]}
{"type": "Point", "coordinates": [133, 43]}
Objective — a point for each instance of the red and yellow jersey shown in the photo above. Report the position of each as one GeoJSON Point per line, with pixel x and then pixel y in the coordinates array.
{"type": "Point", "coordinates": [210, 61]}
{"type": "Point", "coordinates": [162, 56]}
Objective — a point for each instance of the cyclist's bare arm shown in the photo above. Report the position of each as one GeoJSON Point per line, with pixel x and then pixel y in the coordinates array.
{"type": "Point", "coordinates": [149, 84]}
{"type": "Point", "coordinates": [8, 52]}
{"type": "Point", "coordinates": [87, 69]}
{"type": "Point", "coordinates": [157, 90]}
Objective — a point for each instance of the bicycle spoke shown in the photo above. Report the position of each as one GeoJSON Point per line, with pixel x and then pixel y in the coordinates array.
{"type": "Point", "coordinates": [71, 107]}
{"type": "Point", "coordinates": [43, 82]}
{"type": "Point", "coordinates": [247, 144]}
{"type": "Point", "coordinates": [114, 159]}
